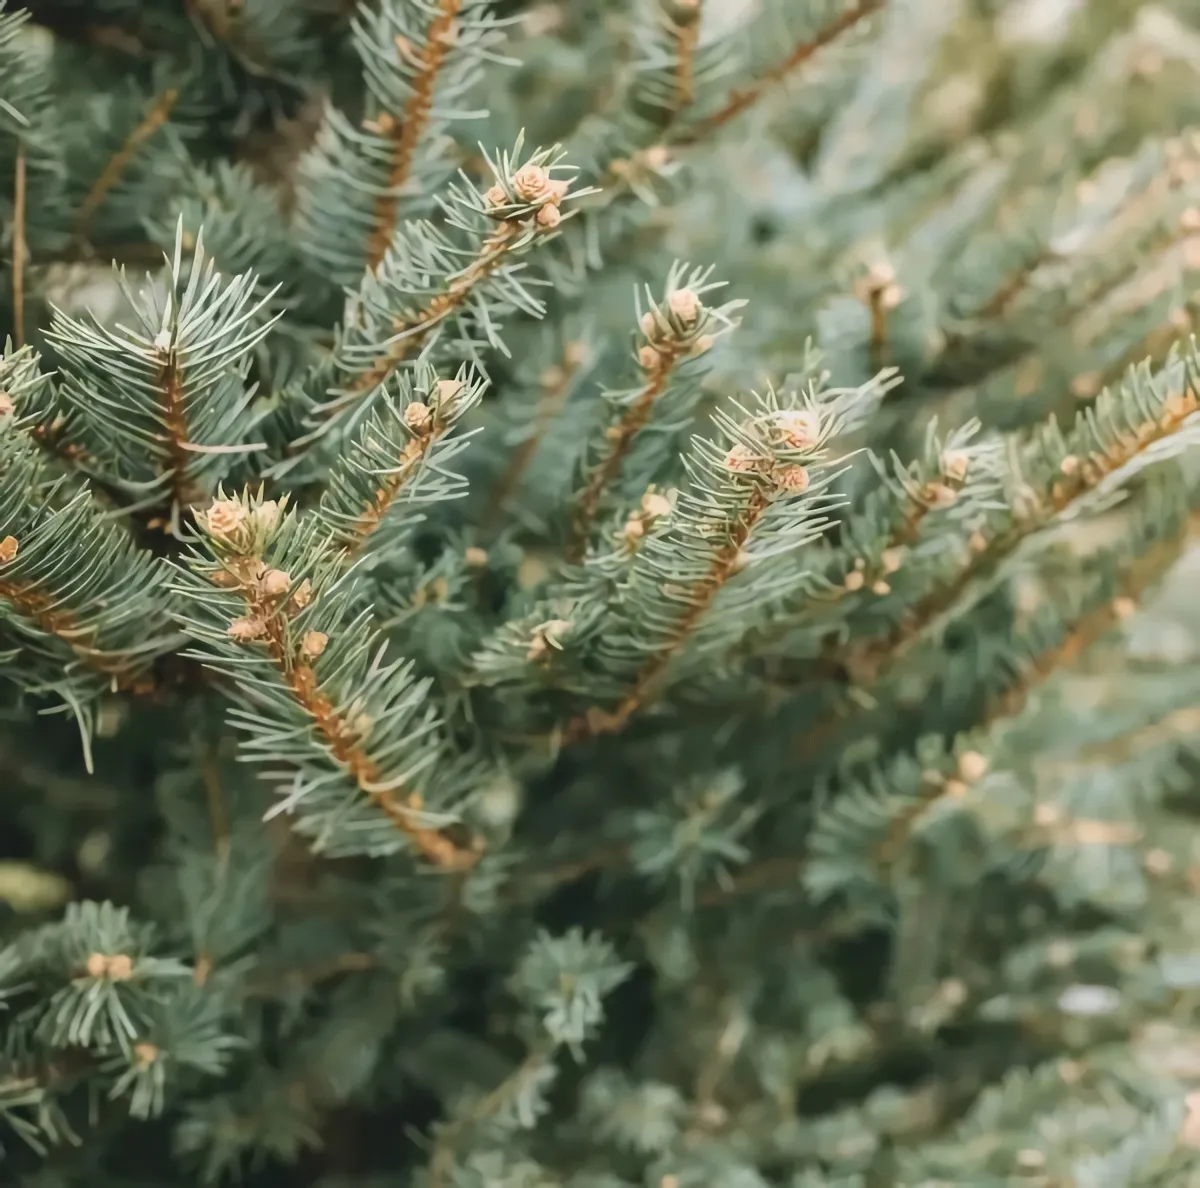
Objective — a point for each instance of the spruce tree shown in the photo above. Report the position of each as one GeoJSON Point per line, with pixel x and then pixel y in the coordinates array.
{"type": "Point", "coordinates": [599, 595]}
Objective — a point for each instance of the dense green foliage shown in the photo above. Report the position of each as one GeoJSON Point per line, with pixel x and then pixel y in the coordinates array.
{"type": "Point", "coordinates": [603, 598]}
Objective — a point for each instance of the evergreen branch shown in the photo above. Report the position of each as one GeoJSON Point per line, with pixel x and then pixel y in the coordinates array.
{"type": "Point", "coordinates": [165, 404]}
{"type": "Point", "coordinates": [679, 328]}
{"type": "Point", "coordinates": [358, 185]}
{"type": "Point", "coordinates": [413, 332]}
{"type": "Point", "coordinates": [421, 289]}
{"type": "Point", "coordinates": [756, 482]}
{"type": "Point", "coordinates": [268, 602]}
{"type": "Point", "coordinates": [397, 461]}
{"type": "Point", "coordinates": [744, 98]}
{"type": "Point", "coordinates": [1142, 421]}
{"type": "Point", "coordinates": [406, 133]}
{"type": "Point", "coordinates": [156, 116]}
{"type": "Point", "coordinates": [82, 599]}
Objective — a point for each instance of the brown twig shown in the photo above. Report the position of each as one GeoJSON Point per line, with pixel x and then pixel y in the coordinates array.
{"type": "Point", "coordinates": [175, 423]}
{"type": "Point", "coordinates": [406, 132]}
{"type": "Point", "coordinates": [156, 116]}
{"type": "Point", "coordinates": [746, 97]}
{"type": "Point", "coordinates": [18, 251]}
{"type": "Point", "coordinates": [619, 439]}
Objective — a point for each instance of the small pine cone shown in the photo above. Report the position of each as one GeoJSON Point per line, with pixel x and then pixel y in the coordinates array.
{"type": "Point", "coordinates": [96, 965]}
{"type": "Point", "coordinates": [955, 464]}
{"type": "Point", "coordinates": [649, 325]}
{"type": "Point", "coordinates": [6, 405]}
{"type": "Point", "coordinates": [792, 479]}
{"type": "Point", "coordinates": [120, 967]}
{"type": "Point", "coordinates": [648, 358]}
{"type": "Point", "coordinates": [224, 520]}
{"type": "Point", "coordinates": [1069, 465]}
{"type": "Point", "coordinates": [881, 588]}
{"type": "Point", "coordinates": [246, 629]}
{"type": "Point", "coordinates": [548, 217]}
{"type": "Point", "coordinates": [417, 416]}
{"type": "Point", "coordinates": [496, 196]}
{"type": "Point", "coordinates": [741, 459]}
{"type": "Point", "coordinates": [685, 305]}
{"type": "Point", "coordinates": [8, 549]}
{"type": "Point", "coordinates": [891, 559]}
{"type": "Point", "coordinates": [384, 124]}
{"type": "Point", "coordinates": [634, 530]}
{"type": "Point", "coordinates": [531, 183]}
{"type": "Point", "coordinates": [855, 580]}
{"type": "Point", "coordinates": [545, 636]}
{"type": "Point", "coordinates": [801, 428]}
{"type": "Point", "coordinates": [276, 583]}
{"type": "Point", "coordinates": [475, 557]}
{"type": "Point", "coordinates": [702, 345]}
{"type": "Point", "coordinates": [558, 190]}
{"type": "Point", "coordinates": [313, 644]}
{"type": "Point", "coordinates": [655, 506]}
{"type": "Point", "coordinates": [447, 390]}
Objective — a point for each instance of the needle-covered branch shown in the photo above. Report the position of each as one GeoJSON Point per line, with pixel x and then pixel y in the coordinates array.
{"type": "Point", "coordinates": [349, 738]}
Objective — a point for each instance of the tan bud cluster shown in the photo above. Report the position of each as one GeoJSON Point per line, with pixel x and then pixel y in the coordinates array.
{"type": "Point", "coordinates": [116, 967]}
{"type": "Point", "coordinates": [313, 644]}
{"type": "Point", "coordinates": [8, 549]}
{"type": "Point", "coordinates": [475, 557]}
{"type": "Point", "coordinates": [855, 580]}
{"type": "Point", "coordinates": [891, 559]}
{"type": "Point", "coordinates": [800, 428]}
{"type": "Point", "coordinates": [531, 183]}
{"type": "Point", "coordinates": [655, 506]}
{"type": "Point", "coordinates": [685, 305]}
{"type": "Point", "coordinates": [972, 766]}
{"type": "Point", "coordinates": [276, 583]}
{"type": "Point", "coordinates": [496, 196]}
{"type": "Point", "coordinates": [417, 416]}
{"type": "Point", "coordinates": [742, 459]}
{"type": "Point", "coordinates": [303, 594]}
{"type": "Point", "coordinates": [246, 629]}
{"type": "Point", "coordinates": [940, 495]}
{"type": "Point", "coordinates": [146, 1053]}
{"type": "Point", "coordinates": [548, 217]}
{"type": "Point", "coordinates": [7, 407]}
{"type": "Point", "coordinates": [225, 519]}
{"type": "Point", "coordinates": [793, 480]}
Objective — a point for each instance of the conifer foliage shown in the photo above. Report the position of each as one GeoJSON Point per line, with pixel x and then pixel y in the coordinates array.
{"type": "Point", "coordinates": [599, 595]}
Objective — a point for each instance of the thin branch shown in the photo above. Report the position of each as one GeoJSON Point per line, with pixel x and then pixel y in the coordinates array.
{"type": "Point", "coordinates": [619, 441]}
{"type": "Point", "coordinates": [156, 116]}
{"type": "Point", "coordinates": [18, 251]}
{"type": "Point", "coordinates": [724, 564]}
{"type": "Point", "coordinates": [746, 97]}
{"type": "Point", "coordinates": [406, 132]}
{"type": "Point", "coordinates": [415, 331]}
{"type": "Point", "coordinates": [340, 737]}
{"type": "Point", "coordinates": [175, 422]}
